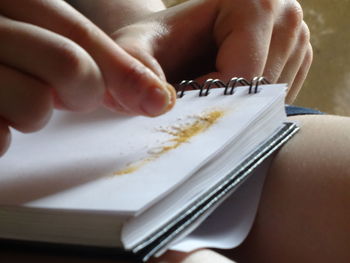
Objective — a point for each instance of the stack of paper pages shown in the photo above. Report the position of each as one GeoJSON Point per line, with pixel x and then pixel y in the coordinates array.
{"type": "Point", "coordinates": [137, 183]}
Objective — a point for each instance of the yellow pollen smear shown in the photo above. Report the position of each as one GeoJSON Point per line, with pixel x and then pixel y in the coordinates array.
{"type": "Point", "coordinates": [186, 132]}
{"type": "Point", "coordinates": [127, 170]}
{"type": "Point", "coordinates": [181, 134]}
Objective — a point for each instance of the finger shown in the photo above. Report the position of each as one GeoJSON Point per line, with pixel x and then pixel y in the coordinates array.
{"type": "Point", "coordinates": [139, 40]}
{"type": "Point", "coordinates": [243, 32]}
{"type": "Point", "coordinates": [114, 105]}
{"type": "Point", "coordinates": [56, 60]}
{"type": "Point", "coordinates": [284, 39]}
{"type": "Point", "coordinates": [300, 76]}
{"type": "Point", "coordinates": [139, 45]}
{"type": "Point", "coordinates": [5, 137]}
{"type": "Point", "coordinates": [297, 56]}
{"type": "Point", "coordinates": [25, 103]}
{"type": "Point", "coordinates": [143, 54]}
{"type": "Point", "coordinates": [129, 81]}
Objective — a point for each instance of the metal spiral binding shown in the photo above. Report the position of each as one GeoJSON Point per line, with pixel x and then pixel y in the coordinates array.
{"type": "Point", "coordinates": [229, 87]}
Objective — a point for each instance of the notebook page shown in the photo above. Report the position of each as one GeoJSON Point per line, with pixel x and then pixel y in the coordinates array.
{"type": "Point", "coordinates": [269, 118]}
{"type": "Point", "coordinates": [107, 162]}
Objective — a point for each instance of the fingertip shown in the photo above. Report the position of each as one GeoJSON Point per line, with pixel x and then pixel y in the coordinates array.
{"type": "Point", "coordinates": [158, 100]}
{"type": "Point", "coordinates": [172, 94]}
{"type": "Point", "coordinates": [140, 91]}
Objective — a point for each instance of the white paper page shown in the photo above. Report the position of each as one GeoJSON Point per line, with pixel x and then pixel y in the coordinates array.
{"type": "Point", "coordinates": [77, 161]}
{"type": "Point", "coordinates": [210, 174]}
{"type": "Point", "coordinates": [230, 223]}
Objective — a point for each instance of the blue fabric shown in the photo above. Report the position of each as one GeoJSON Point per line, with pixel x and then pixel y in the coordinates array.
{"type": "Point", "coordinates": [296, 110]}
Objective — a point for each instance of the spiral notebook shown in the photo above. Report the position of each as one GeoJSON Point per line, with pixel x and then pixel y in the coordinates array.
{"type": "Point", "coordinates": [138, 183]}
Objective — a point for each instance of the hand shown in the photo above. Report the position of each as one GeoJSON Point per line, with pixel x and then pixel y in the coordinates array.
{"type": "Point", "coordinates": [51, 55]}
{"type": "Point", "coordinates": [224, 38]}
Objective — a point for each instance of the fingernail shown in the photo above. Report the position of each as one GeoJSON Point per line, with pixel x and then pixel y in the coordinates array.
{"type": "Point", "coordinates": [172, 93]}
{"type": "Point", "coordinates": [158, 100]}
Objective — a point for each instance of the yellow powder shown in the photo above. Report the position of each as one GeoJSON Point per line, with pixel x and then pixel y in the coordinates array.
{"type": "Point", "coordinates": [181, 134]}
{"type": "Point", "coordinates": [127, 170]}
{"type": "Point", "coordinates": [132, 167]}
{"type": "Point", "coordinates": [184, 133]}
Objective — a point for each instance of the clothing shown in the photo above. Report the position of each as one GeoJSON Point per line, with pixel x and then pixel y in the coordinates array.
{"type": "Point", "coordinates": [296, 110]}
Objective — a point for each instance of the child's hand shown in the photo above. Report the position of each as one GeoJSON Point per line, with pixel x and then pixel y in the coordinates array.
{"type": "Point", "coordinates": [222, 39]}
{"type": "Point", "coordinates": [52, 55]}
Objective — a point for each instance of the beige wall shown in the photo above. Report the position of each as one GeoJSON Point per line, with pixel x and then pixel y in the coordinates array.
{"type": "Point", "coordinates": [327, 87]}
{"type": "Point", "coordinates": [328, 84]}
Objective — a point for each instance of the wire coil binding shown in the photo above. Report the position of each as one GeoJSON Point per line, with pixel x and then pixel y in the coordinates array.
{"type": "Point", "coordinates": [229, 87]}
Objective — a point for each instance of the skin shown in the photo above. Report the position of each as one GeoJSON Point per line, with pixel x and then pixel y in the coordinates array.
{"type": "Point", "coordinates": [304, 212]}
{"type": "Point", "coordinates": [125, 55]}
{"type": "Point", "coordinates": [69, 62]}
{"type": "Point", "coordinates": [52, 56]}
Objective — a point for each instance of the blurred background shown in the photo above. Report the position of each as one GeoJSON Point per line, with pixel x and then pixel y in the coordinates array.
{"type": "Point", "coordinates": [327, 87]}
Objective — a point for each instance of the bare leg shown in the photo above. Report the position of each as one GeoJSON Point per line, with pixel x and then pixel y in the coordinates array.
{"type": "Point", "coordinates": [304, 215]}
{"type": "Point", "coordinates": [199, 256]}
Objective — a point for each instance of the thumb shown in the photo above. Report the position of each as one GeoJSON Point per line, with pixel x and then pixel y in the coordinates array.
{"type": "Point", "coordinates": [142, 87]}
{"type": "Point", "coordinates": [140, 42]}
